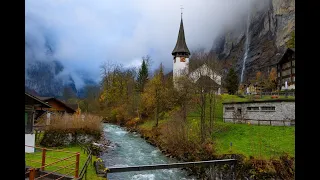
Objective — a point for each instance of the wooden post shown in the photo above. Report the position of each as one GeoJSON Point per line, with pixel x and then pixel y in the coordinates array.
{"type": "Point", "coordinates": [32, 174]}
{"type": "Point", "coordinates": [270, 122]}
{"type": "Point", "coordinates": [43, 159]}
{"type": "Point", "coordinates": [77, 165]}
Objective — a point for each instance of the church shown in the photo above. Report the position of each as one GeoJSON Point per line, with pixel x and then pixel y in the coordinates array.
{"type": "Point", "coordinates": [181, 56]}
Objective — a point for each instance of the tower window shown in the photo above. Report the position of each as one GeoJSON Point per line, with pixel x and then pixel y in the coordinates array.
{"type": "Point", "coordinates": [182, 59]}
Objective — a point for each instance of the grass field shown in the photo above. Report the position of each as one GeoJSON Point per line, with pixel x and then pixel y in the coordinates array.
{"type": "Point", "coordinates": [250, 140]}
{"type": "Point", "coordinates": [91, 174]}
{"type": "Point", "coordinates": [258, 141]}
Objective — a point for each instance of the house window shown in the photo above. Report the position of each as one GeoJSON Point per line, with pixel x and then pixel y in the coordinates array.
{"type": "Point", "coordinates": [239, 111]}
{"type": "Point", "coordinates": [229, 108]}
{"type": "Point", "coordinates": [253, 108]}
{"type": "Point", "coordinates": [268, 108]}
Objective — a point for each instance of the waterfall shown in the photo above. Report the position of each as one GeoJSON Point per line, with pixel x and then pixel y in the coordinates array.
{"type": "Point", "coordinates": [247, 43]}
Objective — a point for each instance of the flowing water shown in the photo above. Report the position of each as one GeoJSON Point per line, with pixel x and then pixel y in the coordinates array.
{"type": "Point", "coordinates": [247, 43]}
{"type": "Point", "coordinates": [129, 149]}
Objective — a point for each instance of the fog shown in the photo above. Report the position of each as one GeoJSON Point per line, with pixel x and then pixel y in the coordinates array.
{"type": "Point", "coordinates": [83, 33]}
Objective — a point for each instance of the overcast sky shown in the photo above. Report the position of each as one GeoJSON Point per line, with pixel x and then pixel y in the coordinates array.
{"type": "Point", "coordinates": [88, 32]}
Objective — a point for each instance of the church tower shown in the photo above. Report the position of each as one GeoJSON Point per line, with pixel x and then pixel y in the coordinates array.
{"type": "Point", "coordinates": [180, 53]}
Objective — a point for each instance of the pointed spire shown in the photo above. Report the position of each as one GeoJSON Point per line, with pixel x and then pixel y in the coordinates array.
{"type": "Point", "coordinates": [181, 46]}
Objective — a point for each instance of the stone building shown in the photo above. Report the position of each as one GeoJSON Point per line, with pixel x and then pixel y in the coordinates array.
{"type": "Point", "coordinates": [263, 112]}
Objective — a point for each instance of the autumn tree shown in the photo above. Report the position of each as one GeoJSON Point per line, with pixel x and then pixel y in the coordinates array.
{"type": "Point", "coordinates": [232, 81]}
{"type": "Point", "coordinates": [204, 75]}
{"type": "Point", "coordinates": [271, 81]}
{"type": "Point", "coordinates": [90, 102]}
{"type": "Point", "coordinates": [184, 94]}
{"type": "Point", "coordinates": [154, 96]}
{"type": "Point", "coordinates": [117, 93]}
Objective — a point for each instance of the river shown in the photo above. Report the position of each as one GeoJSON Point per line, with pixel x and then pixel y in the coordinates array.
{"type": "Point", "coordinates": [129, 149]}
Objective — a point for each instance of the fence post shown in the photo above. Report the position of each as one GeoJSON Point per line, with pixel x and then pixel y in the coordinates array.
{"type": "Point", "coordinates": [270, 122]}
{"type": "Point", "coordinates": [77, 165]}
{"type": "Point", "coordinates": [32, 174]}
{"type": "Point", "coordinates": [43, 159]}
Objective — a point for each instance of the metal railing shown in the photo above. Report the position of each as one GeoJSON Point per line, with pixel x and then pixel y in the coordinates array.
{"type": "Point", "coordinates": [52, 165]}
{"type": "Point", "coordinates": [231, 162]}
{"type": "Point", "coordinates": [290, 122]}
{"type": "Point", "coordinates": [258, 121]}
{"type": "Point", "coordinates": [86, 150]}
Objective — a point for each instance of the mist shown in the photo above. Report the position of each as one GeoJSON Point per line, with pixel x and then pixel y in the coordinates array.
{"type": "Point", "coordinates": [83, 34]}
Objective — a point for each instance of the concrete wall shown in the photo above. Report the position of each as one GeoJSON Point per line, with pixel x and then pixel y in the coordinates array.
{"type": "Point", "coordinates": [30, 141]}
{"type": "Point", "coordinates": [283, 111]}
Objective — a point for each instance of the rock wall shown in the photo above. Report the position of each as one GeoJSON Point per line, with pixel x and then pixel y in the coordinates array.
{"type": "Point", "coordinates": [271, 25]}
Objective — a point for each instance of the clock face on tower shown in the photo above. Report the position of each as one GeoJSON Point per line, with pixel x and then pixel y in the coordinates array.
{"type": "Point", "coordinates": [182, 59]}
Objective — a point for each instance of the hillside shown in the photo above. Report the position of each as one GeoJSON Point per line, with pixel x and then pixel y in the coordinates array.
{"type": "Point", "coordinates": [271, 24]}
{"type": "Point", "coordinates": [44, 73]}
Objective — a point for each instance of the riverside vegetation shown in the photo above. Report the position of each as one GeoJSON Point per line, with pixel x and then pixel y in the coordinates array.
{"type": "Point", "coordinates": [64, 133]}
{"type": "Point", "coordinates": [186, 123]}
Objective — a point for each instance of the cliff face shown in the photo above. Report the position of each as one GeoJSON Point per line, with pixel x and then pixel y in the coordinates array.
{"type": "Point", "coordinates": [270, 27]}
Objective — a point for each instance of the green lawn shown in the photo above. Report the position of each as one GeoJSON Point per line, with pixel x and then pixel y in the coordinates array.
{"type": "Point", "coordinates": [250, 140]}
{"type": "Point", "coordinates": [234, 98]}
{"type": "Point", "coordinates": [91, 174]}
{"type": "Point", "coordinates": [257, 141]}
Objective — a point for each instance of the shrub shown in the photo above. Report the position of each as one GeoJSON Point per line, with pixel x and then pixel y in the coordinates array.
{"type": "Point", "coordinates": [65, 129]}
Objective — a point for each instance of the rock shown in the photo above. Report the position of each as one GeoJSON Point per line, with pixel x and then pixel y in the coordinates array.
{"type": "Point", "coordinates": [96, 144]}
{"type": "Point", "coordinates": [272, 22]}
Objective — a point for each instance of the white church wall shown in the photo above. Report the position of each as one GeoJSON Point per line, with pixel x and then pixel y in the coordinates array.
{"type": "Point", "coordinates": [179, 66]}
{"type": "Point", "coordinates": [204, 70]}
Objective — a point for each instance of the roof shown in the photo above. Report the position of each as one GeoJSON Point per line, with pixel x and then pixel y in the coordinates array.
{"type": "Point", "coordinates": [181, 45]}
{"type": "Point", "coordinates": [279, 56]}
{"type": "Point", "coordinates": [36, 100]}
{"type": "Point", "coordinates": [261, 101]}
{"type": "Point", "coordinates": [285, 53]}
{"type": "Point", "coordinates": [73, 106]}
{"type": "Point", "coordinates": [64, 104]}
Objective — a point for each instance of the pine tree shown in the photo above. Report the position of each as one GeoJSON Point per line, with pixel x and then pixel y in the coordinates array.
{"type": "Point", "coordinates": [232, 81]}
{"type": "Point", "coordinates": [142, 76]}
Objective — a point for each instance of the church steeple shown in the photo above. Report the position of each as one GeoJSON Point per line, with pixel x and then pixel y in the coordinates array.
{"type": "Point", "coordinates": [181, 45]}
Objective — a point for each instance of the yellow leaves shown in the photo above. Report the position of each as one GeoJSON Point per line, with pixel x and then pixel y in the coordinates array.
{"type": "Point", "coordinates": [106, 170]}
{"type": "Point", "coordinates": [259, 75]}
{"type": "Point", "coordinates": [103, 96]}
{"type": "Point", "coordinates": [273, 75]}
{"type": "Point", "coordinates": [99, 160]}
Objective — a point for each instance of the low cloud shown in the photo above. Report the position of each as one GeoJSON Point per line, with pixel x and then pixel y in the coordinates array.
{"type": "Point", "coordinates": [87, 33]}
